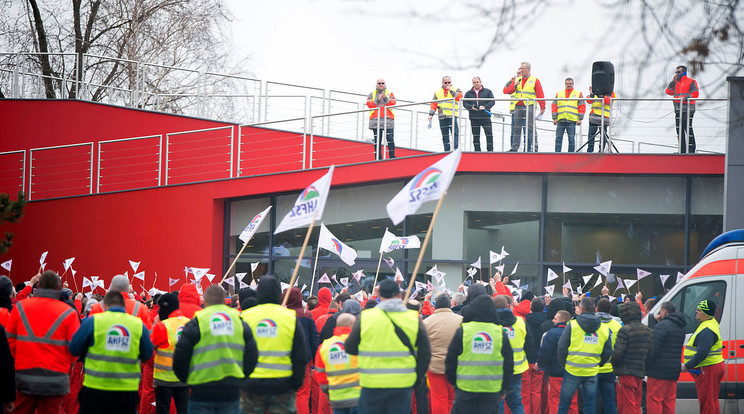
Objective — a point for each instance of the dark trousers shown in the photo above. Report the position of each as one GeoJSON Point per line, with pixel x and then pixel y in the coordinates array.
{"type": "Point", "coordinates": [681, 123]}
{"type": "Point", "coordinates": [378, 143]}
{"type": "Point", "coordinates": [385, 400]}
{"type": "Point", "coordinates": [163, 396]}
{"type": "Point", "coordinates": [111, 402]}
{"type": "Point", "coordinates": [523, 116]}
{"type": "Point", "coordinates": [422, 398]}
{"type": "Point", "coordinates": [593, 131]}
{"type": "Point", "coordinates": [445, 125]}
{"type": "Point", "coordinates": [476, 123]}
{"type": "Point", "coordinates": [569, 127]}
{"type": "Point", "coordinates": [475, 402]}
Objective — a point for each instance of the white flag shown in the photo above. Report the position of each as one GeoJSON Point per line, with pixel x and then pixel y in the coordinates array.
{"type": "Point", "coordinates": [549, 290]}
{"type": "Point", "coordinates": [172, 281]}
{"type": "Point", "coordinates": [516, 282]}
{"type": "Point", "coordinates": [568, 285]}
{"type": "Point", "coordinates": [389, 261]}
{"type": "Point", "coordinates": [254, 266]}
{"type": "Point", "coordinates": [324, 279]}
{"type": "Point", "coordinates": [135, 265]}
{"type": "Point", "coordinates": [432, 271]}
{"type": "Point", "coordinates": [284, 286]}
{"type": "Point", "coordinates": [329, 242]}
{"type": "Point", "coordinates": [7, 264]}
{"type": "Point", "coordinates": [578, 289]}
{"type": "Point", "coordinates": [551, 275]}
{"type": "Point", "coordinates": [344, 281]}
{"type": "Point", "coordinates": [439, 276]}
{"type": "Point", "coordinates": [604, 267]}
{"type": "Point", "coordinates": [503, 252]}
{"type": "Point", "coordinates": [74, 272]}
{"type": "Point", "coordinates": [66, 264]}
{"type": "Point", "coordinates": [471, 272]}
{"type": "Point", "coordinates": [304, 286]}
{"type": "Point", "coordinates": [420, 285]}
{"type": "Point", "coordinates": [140, 276]}
{"type": "Point", "coordinates": [391, 242]}
{"type": "Point", "coordinates": [398, 275]}
{"type": "Point", "coordinates": [240, 276]}
{"type": "Point", "coordinates": [680, 276]}
{"type": "Point", "coordinates": [495, 257]}
{"type": "Point", "coordinates": [642, 273]}
{"type": "Point", "coordinates": [622, 297]}
{"type": "Point", "coordinates": [359, 296]}
{"type": "Point", "coordinates": [500, 269]}
{"type": "Point", "coordinates": [243, 285]}
{"type": "Point", "coordinates": [566, 269]}
{"type": "Point", "coordinates": [612, 298]}
{"type": "Point", "coordinates": [477, 263]}
{"type": "Point", "coordinates": [629, 283]}
{"type": "Point", "coordinates": [587, 278]}
{"type": "Point", "coordinates": [209, 276]}
{"type": "Point", "coordinates": [514, 270]}
{"type": "Point", "coordinates": [663, 279]}
{"type": "Point", "coordinates": [251, 228]}
{"type": "Point", "coordinates": [199, 272]}
{"type": "Point", "coordinates": [297, 283]}
{"type": "Point", "coordinates": [598, 282]}
{"type": "Point", "coordinates": [98, 282]}
{"type": "Point", "coordinates": [620, 283]}
{"type": "Point", "coordinates": [86, 282]}
{"type": "Point", "coordinates": [42, 259]}
{"type": "Point", "coordinates": [333, 277]}
{"type": "Point", "coordinates": [358, 275]}
{"type": "Point", "coordinates": [310, 203]}
{"type": "Point", "coordinates": [430, 184]}
{"type": "Point", "coordinates": [429, 286]}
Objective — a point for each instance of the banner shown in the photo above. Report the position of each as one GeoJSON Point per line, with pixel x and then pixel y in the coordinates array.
{"type": "Point", "coordinates": [390, 242]}
{"type": "Point", "coordinates": [329, 242]}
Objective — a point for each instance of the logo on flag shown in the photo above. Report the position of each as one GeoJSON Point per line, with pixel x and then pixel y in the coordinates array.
{"type": "Point", "coordinates": [309, 204]}
{"type": "Point", "coordinates": [6, 265]}
{"type": "Point", "coordinates": [604, 267]}
{"type": "Point", "coordinates": [482, 343]}
{"type": "Point", "coordinates": [221, 324]}
{"type": "Point", "coordinates": [266, 328]}
{"type": "Point", "coordinates": [251, 228]}
{"type": "Point", "coordinates": [328, 241]}
{"type": "Point", "coordinates": [118, 339]}
{"type": "Point", "coordinates": [337, 354]}
{"type": "Point", "coordinates": [390, 242]}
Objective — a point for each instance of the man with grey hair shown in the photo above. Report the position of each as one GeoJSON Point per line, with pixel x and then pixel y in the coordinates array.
{"type": "Point", "coordinates": [458, 299]}
{"type": "Point", "coordinates": [526, 88]}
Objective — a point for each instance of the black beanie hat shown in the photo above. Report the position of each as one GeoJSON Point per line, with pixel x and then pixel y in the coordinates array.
{"type": "Point", "coordinates": [442, 301]}
{"type": "Point", "coordinates": [708, 307]}
{"type": "Point", "coordinates": [167, 303]}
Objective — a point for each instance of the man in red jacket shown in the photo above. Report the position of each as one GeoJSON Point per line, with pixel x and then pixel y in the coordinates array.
{"type": "Point", "coordinates": [684, 89]}
{"type": "Point", "coordinates": [42, 326]}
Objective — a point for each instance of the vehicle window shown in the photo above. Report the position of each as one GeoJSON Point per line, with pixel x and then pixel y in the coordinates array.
{"type": "Point", "coordinates": [688, 298]}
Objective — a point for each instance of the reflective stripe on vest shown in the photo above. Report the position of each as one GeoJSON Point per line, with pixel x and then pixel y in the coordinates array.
{"type": "Point", "coordinates": [373, 113]}
{"type": "Point", "coordinates": [384, 362]}
{"type": "Point", "coordinates": [517, 334]}
{"type": "Point", "coordinates": [480, 367]}
{"type": "Point", "coordinates": [219, 352]}
{"type": "Point", "coordinates": [446, 106]}
{"type": "Point", "coordinates": [112, 362]}
{"type": "Point", "coordinates": [567, 109]}
{"type": "Point", "coordinates": [341, 369]}
{"type": "Point", "coordinates": [614, 327]}
{"type": "Point", "coordinates": [598, 105]}
{"type": "Point", "coordinates": [273, 329]}
{"type": "Point", "coordinates": [527, 93]}
{"type": "Point", "coordinates": [163, 363]}
{"type": "Point", "coordinates": [715, 356]}
{"type": "Point", "coordinates": [585, 350]}
{"type": "Point", "coordinates": [47, 338]}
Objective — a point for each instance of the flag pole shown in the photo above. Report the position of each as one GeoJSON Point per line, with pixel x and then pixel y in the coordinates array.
{"type": "Point", "coordinates": [315, 267]}
{"type": "Point", "coordinates": [232, 265]}
{"type": "Point", "coordinates": [379, 262]}
{"type": "Point", "coordinates": [423, 248]}
{"type": "Point", "coordinates": [299, 259]}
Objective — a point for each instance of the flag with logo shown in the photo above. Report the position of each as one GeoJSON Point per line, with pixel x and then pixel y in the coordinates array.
{"type": "Point", "coordinates": [251, 228]}
{"type": "Point", "coordinates": [476, 264]}
{"type": "Point", "coordinates": [172, 281]}
{"type": "Point", "coordinates": [680, 276]}
{"type": "Point", "coordinates": [135, 265]}
{"type": "Point", "coordinates": [430, 184]}
{"type": "Point", "coordinates": [642, 273]}
{"type": "Point", "coordinates": [140, 276]}
{"type": "Point", "coordinates": [358, 275]}
{"type": "Point", "coordinates": [390, 242]}
{"type": "Point", "coordinates": [566, 269]}
{"type": "Point", "coordinates": [390, 262]}
{"type": "Point", "coordinates": [549, 290]}
{"type": "Point", "coordinates": [551, 275]}
{"type": "Point", "coordinates": [324, 279]}
{"type": "Point", "coordinates": [7, 264]}
{"type": "Point", "coordinates": [67, 263]}
{"type": "Point", "coordinates": [472, 271]}
{"type": "Point", "coordinates": [604, 267]}
{"type": "Point", "coordinates": [310, 203]}
{"type": "Point", "coordinates": [663, 279]}
{"type": "Point", "coordinates": [329, 242]}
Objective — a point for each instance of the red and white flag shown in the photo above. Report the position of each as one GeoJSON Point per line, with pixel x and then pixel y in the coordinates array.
{"type": "Point", "coordinates": [324, 279]}
{"type": "Point", "coordinates": [172, 281]}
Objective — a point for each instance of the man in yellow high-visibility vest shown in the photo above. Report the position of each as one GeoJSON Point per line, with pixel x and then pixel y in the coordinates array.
{"type": "Point", "coordinates": [448, 113]}
{"type": "Point", "coordinates": [526, 88]}
{"type": "Point", "coordinates": [568, 111]}
{"type": "Point", "coordinates": [336, 371]}
{"type": "Point", "coordinates": [704, 351]}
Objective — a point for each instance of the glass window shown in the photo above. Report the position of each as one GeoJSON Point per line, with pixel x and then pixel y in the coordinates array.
{"type": "Point", "coordinates": [687, 299]}
{"type": "Point", "coordinates": [241, 213]}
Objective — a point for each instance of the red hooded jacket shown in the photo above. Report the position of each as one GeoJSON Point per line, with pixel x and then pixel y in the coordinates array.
{"type": "Point", "coordinates": [188, 300]}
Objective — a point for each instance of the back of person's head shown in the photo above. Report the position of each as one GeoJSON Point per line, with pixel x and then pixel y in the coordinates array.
{"type": "Point", "coordinates": [371, 303]}
{"type": "Point", "coordinates": [458, 298]}
{"type": "Point", "coordinates": [509, 300]}
{"type": "Point", "coordinates": [351, 306]}
{"type": "Point", "coordinates": [312, 302]}
{"type": "Point", "coordinates": [442, 301]}
{"type": "Point", "coordinates": [234, 300]}
{"type": "Point", "coordinates": [587, 305]}
{"type": "Point", "coordinates": [214, 295]}
{"type": "Point", "coordinates": [537, 305]}
{"type": "Point", "coordinates": [6, 287]}
{"type": "Point", "coordinates": [669, 307]}
{"type": "Point", "coordinates": [342, 297]}
{"type": "Point", "coordinates": [413, 304]}
{"type": "Point", "coordinates": [167, 304]}
{"type": "Point", "coordinates": [269, 290]}
{"type": "Point", "coordinates": [648, 304]}
{"type": "Point", "coordinates": [245, 293]}
{"type": "Point", "coordinates": [563, 316]}
{"type": "Point", "coordinates": [604, 305]}
{"type": "Point", "coordinates": [346, 320]}
{"type": "Point", "coordinates": [389, 289]}
{"type": "Point", "coordinates": [20, 286]}
{"type": "Point", "coordinates": [248, 302]}
{"type": "Point", "coordinates": [120, 284]}
{"type": "Point", "coordinates": [49, 280]}
{"type": "Point", "coordinates": [113, 299]}
{"type": "Point", "coordinates": [500, 302]}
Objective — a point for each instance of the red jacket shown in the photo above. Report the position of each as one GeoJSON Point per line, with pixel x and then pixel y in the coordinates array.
{"type": "Point", "coordinates": [683, 90]}
{"type": "Point", "coordinates": [324, 301]}
{"type": "Point", "coordinates": [159, 335]}
{"type": "Point", "coordinates": [131, 304]}
{"type": "Point", "coordinates": [188, 300]}
{"type": "Point", "coordinates": [42, 354]}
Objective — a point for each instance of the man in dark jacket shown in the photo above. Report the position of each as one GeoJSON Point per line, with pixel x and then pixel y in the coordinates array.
{"type": "Point", "coordinates": [521, 345]}
{"type": "Point", "coordinates": [270, 388]}
{"type": "Point", "coordinates": [533, 376]}
{"type": "Point", "coordinates": [478, 101]}
{"type": "Point", "coordinates": [633, 344]}
{"type": "Point", "coordinates": [481, 310]}
{"type": "Point", "coordinates": [222, 393]}
{"type": "Point", "coordinates": [547, 360]}
{"type": "Point", "coordinates": [662, 365]}
{"type": "Point", "coordinates": [305, 318]}
{"type": "Point", "coordinates": [579, 354]}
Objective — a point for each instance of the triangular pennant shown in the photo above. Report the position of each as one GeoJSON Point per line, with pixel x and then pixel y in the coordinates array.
{"type": "Point", "coordinates": [494, 257]}
{"type": "Point", "coordinates": [358, 275]}
{"type": "Point", "coordinates": [587, 278]}
{"type": "Point", "coordinates": [243, 285]}
{"type": "Point", "coordinates": [344, 281]}
{"type": "Point", "coordinates": [254, 266]}
{"type": "Point", "coordinates": [66, 264]}
{"type": "Point", "coordinates": [642, 273]}
{"type": "Point", "coordinates": [199, 272]}
{"type": "Point", "coordinates": [598, 282]}
{"type": "Point", "coordinates": [663, 279]}
{"type": "Point", "coordinates": [432, 271]}
{"type": "Point", "coordinates": [359, 296]}
{"type": "Point", "coordinates": [503, 252]}
{"type": "Point", "coordinates": [135, 265]}
{"type": "Point", "coordinates": [420, 285]}
{"type": "Point", "coordinates": [42, 259]}
{"type": "Point", "coordinates": [324, 279]}
{"type": "Point", "coordinates": [566, 269]}
{"type": "Point", "coordinates": [568, 285]}
{"type": "Point", "coordinates": [604, 267]}
{"type": "Point", "coordinates": [7, 264]}
{"type": "Point", "coordinates": [74, 272]}
{"type": "Point", "coordinates": [514, 270]}
{"type": "Point", "coordinates": [284, 286]}
{"type": "Point", "coordinates": [477, 263]}
{"type": "Point", "coordinates": [398, 275]}
{"type": "Point", "coordinates": [472, 271]}
{"type": "Point", "coordinates": [304, 286]}
{"type": "Point", "coordinates": [500, 269]}
{"type": "Point", "coordinates": [551, 275]}
{"type": "Point", "coordinates": [629, 283]}
{"type": "Point", "coordinates": [680, 276]}
{"type": "Point", "coordinates": [333, 277]}
{"type": "Point", "coordinates": [389, 261]}
{"type": "Point", "coordinates": [516, 281]}
{"type": "Point", "coordinates": [230, 281]}
{"type": "Point", "coordinates": [549, 290]}
{"type": "Point", "coordinates": [429, 286]}
{"type": "Point", "coordinates": [210, 277]}
{"type": "Point", "coordinates": [578, 289]}
{"type": "Point", "coordinates": [140, 276]}
{"type": "Point", "coordinates": [620, 283]}
{"type": "Point", "coordinates": [86, 282]}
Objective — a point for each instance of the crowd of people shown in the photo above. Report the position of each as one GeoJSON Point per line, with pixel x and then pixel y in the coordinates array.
{"type": "Point", "coordinates": [525, 91]}
{"type": "Point", "coordinates": [477, 350]}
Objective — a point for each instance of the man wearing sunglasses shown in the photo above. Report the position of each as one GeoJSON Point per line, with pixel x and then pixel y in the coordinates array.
{"type": "Point", "coordinates": [447, 114]}
{"type": "Point", "coordinates": [382, 122]}
{"type": "Point", "coordinates": [684, 89]}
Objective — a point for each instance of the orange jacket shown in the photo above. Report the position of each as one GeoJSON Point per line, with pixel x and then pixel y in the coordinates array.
{"type": "Point", "coordinates": [372, 104]}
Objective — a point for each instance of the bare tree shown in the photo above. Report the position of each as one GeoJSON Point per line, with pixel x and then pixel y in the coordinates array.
{"type": "Point", "coordinates": [106, 41]}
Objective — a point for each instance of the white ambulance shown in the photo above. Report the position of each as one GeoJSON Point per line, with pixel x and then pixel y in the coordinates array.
{"type": "Point", "coordinates": [719, 276]}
